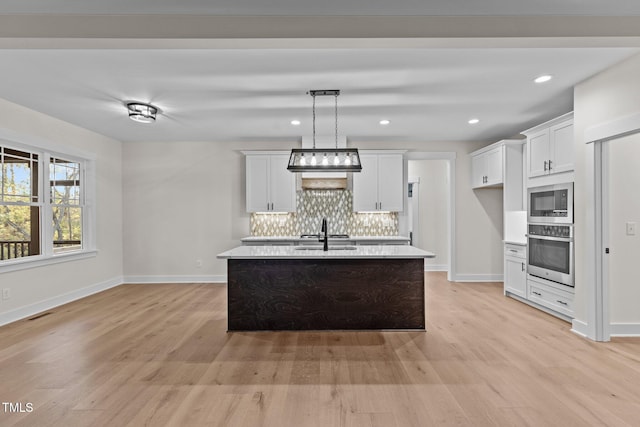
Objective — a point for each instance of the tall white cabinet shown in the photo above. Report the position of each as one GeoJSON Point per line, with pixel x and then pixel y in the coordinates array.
{"type": "Point", "coordinates": [379, 186]}
{"type": "Point", "coordinates": [270, 186]}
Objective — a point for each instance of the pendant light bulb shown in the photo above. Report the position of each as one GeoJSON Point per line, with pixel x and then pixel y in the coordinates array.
{"type": "Point", "coordinates": [303, 161]}
{"type": "Point", "coordinates": [313, 160]}
{"type": "Point", "coordinates": [336, 160]}
{"type": "Point", "coordinates": [325, 160]}
{"type": "Point", "coordinates": [347, 159]}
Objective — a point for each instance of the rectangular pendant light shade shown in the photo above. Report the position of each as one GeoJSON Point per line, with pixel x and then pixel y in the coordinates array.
{"type": "Point", "coordinates": [324, 160]}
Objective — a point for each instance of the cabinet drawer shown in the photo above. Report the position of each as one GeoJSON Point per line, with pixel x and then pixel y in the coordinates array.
{"type": "Point", "coordinates": [515, 251]}
{"type": "Point", "coordinates": [550, 297]}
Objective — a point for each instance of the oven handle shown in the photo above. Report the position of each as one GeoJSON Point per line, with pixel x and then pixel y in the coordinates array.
{"type": "Point", "coordinates": [555, 239]}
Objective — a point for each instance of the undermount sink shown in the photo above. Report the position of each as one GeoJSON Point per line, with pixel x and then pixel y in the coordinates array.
{"type": "Point", "coordinates": [331, 248]}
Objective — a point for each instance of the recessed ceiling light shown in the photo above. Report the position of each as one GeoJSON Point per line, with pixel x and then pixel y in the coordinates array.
{"type": "Point", "coordinates": [295, 122]}
{"type": "Point", "coordinates": [543, 78]}
{"type": "Point", "coordinates": [385, 122]}
{"type": "Point", "coordinates": [474, 121]}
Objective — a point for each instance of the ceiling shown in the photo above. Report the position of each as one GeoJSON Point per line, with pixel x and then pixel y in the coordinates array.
{"type": "Point", "coordinates": [252, 92]}
{"type": "Point", "coordinates": [327, 7]}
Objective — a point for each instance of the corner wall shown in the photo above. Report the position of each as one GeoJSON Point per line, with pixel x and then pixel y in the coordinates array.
{"type": "Point", "coordinates": [611, 94]}
{"type": "Point", "coordinates": [40, 288]}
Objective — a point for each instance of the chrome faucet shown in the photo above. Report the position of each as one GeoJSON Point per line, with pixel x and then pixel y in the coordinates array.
{"type": "Point", "coordinates": [325, 238]}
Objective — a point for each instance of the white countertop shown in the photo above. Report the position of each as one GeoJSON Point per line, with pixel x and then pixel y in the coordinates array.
{"type": "Point", "coordinates": [358, 252]}
{"type": "Point", "coordinates": [305, 239]}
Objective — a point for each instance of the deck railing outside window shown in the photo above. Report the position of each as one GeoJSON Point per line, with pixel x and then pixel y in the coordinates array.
{"type": "Point", "coordinates": [19, 249]}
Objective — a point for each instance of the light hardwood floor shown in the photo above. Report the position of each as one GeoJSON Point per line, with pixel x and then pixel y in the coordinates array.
{"type": "Point", "coordinates": [156, 355]}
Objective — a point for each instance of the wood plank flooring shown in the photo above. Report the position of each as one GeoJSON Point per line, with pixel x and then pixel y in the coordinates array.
{"type": "Point", "coordinates": [159, 355]}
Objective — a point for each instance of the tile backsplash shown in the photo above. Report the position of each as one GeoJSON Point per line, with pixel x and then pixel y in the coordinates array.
{"type": "Point", "coordinates": [336, 206]}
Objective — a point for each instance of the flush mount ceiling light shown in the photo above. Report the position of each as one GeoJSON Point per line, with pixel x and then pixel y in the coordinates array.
{"type": "Point", "coordinates": [544, 78]}
{"type": "Point", "coordinates": [295, 122]}
{"type": "Point", "coordinates": [324, 160]}
{"type": "Point", "coordinates": [141, 112]}
{"type": "Point", "coordinates": [385, 122]}
{"type": "Point", "coordinates": [473, 121]}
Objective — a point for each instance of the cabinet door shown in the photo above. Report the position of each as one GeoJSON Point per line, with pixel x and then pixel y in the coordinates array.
{"type": "Point", "coordinates": [494, 166]}
{"type": "Point", "coordinates": [390, 182]}
{"type": "Point", "coordinates": [538, 154]}
{"type": "Point", "coordinates": [515, 276]}
{"type": "Point", "coordinates": [257, 183]}
{"type": "Point", "coordinates": [282, 183]}
{"type": "Point", "coordinates": [561, 136]}
{"type": "Point", "coordinates": [478, 170]}
{"type": "Point", "coordinates": [365, 184]}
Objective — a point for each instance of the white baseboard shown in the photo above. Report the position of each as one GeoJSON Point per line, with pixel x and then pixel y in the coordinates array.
{"type": "Point", "coordinates": [478, 277]}
{"type": "Point", "coordinates": [579, 327]}
{"type": "Point", "coordinates": [436, 267]}
{"type": "Point", "coordinates": [175, 279]}
{"type": "Point", "coordinates": [624, 329]}
{"type": "Point", "coordinates": [31, 309]}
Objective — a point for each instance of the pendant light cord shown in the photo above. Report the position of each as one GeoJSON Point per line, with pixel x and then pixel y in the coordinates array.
{"type": "Point", "coordinates": [314, 120]}
{"type": "Point", "coordinates": [336, 98]}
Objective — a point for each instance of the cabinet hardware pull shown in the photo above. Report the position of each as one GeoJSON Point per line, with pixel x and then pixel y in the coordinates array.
{"type": "Point", "coordinates": [513, 250]}
{"type": "Point", "coordinates": [549, 164]}
{"type": "Point", "coordinates": [545, 165]}
{"type": "Point", "coordinates": [536, 293]}
{"type": "Point", "coordinates": [380, 205]}
{"type": "Point", "coordinates": [562, 302]}
{"type": "Point", "coordinates": [267, 205]}
{"type": "Point", "coordinates": [523, 266]}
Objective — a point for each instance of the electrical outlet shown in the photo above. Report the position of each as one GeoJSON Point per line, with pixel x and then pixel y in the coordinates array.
{"type": "Point", "coordinates": [198, 263]}
{"type": "Point", "coordinates": [6, 293]}
{"type": "Point", "coordinates": [631, 228]}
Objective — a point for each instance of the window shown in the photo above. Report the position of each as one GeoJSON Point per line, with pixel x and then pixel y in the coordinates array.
{"type": "Point", "coordinates": [43, 213]}
{"type": "Point", "coordinates": [66, 206]}
{"type": "Point", "coordinates": [20, 205]}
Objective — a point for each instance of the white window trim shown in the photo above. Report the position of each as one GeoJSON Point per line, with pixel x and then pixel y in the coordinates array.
{"type": "Point", "coordinates": [45, 151]}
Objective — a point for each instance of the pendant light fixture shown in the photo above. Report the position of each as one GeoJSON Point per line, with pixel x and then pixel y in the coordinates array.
{"type": "Point", "coordinates": [326, 159]}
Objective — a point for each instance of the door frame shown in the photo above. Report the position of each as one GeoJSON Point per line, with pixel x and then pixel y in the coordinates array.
{"type": "Point", "coordinates": [598, 139]}
{"type": "Point", "coordinates": [450, 157]}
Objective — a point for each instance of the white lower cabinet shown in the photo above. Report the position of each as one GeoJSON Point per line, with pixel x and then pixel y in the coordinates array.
{"type": "Point", "coordinates": [515, 270]}
{"type": "Point", "coordinates": [554, 298]}
{"type": "Point", "coordinates": [551, 296]}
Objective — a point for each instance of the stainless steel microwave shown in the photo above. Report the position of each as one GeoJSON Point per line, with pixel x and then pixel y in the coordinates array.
{"type": "Point", "coordinates": [551, 204]}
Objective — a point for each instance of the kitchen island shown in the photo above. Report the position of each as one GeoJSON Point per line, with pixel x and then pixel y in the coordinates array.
{"type": "Point", "coordinates": [305, 288]}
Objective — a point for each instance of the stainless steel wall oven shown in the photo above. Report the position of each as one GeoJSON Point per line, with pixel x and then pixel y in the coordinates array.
{"type": "Point", "coordinates": [551, 252]}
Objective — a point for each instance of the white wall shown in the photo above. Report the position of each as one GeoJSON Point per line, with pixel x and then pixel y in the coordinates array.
{"type": "Point", "coordinates": [624, 206]}
{"type": "Point", "coordinates": [611, 94]}
{"type": "Point", "coordinates": [42, 287]}
{"type": "Point", "coordinates": [433, 208]}
{"type": "Point", "coordinates": [183, 202]}
{"type": "Point", "coordinates": [200, 186]}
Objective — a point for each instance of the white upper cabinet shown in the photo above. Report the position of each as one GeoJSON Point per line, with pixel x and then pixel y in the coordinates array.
{"type": "Point", "coordinates": [550, 147]}
{"type": "Point", "coordinates": [270, 186]}
{"type": "Point", "coordinates": [487, 168]}
{"type": "Point", "coordinates": [379, 186]}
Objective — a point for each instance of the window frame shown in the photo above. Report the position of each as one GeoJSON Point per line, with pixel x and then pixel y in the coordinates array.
{"type": "Point", "coordinates": [47, 151]}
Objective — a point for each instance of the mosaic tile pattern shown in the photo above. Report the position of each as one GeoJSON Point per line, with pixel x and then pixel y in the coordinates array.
{"type": "Point", "coordinates": [335, 205]}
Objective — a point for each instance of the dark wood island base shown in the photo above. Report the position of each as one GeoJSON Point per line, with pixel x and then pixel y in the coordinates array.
{"type": "Point", "coordinates": [325, 294]}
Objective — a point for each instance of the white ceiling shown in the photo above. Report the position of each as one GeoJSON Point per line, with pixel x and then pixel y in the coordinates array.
{"type": "Point", "coordinates": [327, 7]}
{"type": "Point", "coordinates": [252, 91]}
